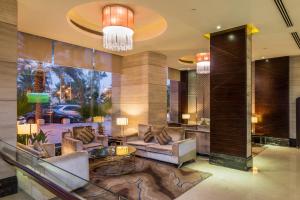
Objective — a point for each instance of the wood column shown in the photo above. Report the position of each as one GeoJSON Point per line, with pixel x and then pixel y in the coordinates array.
{"type": "Point", "coordinates": [8, 89]}
{"type": "Point", "coordinates": [230, 98]}
{"type": "Point", "coordinates": [183, 94]}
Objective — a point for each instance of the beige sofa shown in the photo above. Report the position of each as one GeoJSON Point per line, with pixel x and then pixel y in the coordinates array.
{"type": "Point", "coordinates": [178, 151]}
{"type": "Point", "coordinates": [70, 144]}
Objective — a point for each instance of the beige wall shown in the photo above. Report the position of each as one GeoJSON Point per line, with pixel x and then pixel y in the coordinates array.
{"type": "Point", "coordinates": [8, 71]}
{"type": "Point", "coordinates": [294, 92]}
{"type": "Point", "coordinates": [173, 74]}
{"type": "Point", "coordinates": [143, 95]}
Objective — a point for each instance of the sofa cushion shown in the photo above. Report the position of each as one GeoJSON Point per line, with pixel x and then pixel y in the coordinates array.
{"type": "Point", "coordinates": [142, 130]}
{"type": "Point", "coordinates": [148, 137]}
{"type": "Point", "coordinates": [91, 145]}
{"type": "Point", "coordinates": [77, 130]}
{"type": "Point", "coordinates": [163, 138]}
{"type": "Point", "coordinates": [176, 133]}
{"type": "Point", "coordinates": [162, 149]}
{"type": "Point", "coordinates": [139, 144]}
{"type": "Point", "coordinates": [85, 135]}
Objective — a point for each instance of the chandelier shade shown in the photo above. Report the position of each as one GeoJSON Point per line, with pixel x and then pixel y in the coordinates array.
{"type": "Point", "coordinates": [117, 22]}
{"type": "Point", "coordinates": [203, 63]}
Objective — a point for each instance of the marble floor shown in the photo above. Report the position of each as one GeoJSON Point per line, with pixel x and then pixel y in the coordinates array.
{"type": "Point", "coordinates": [19, 196]}
{"type": "Point", "coordinates": [278, 178]}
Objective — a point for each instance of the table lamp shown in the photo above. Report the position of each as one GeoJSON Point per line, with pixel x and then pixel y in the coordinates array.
{"type": "Point", "coordinates": [186, 117]}
{"type": "Point", "coordinates": [27, 130]}
{"type": "Point", "coordinates": [122, 121]}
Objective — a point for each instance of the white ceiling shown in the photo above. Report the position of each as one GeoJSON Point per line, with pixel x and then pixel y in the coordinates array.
{"type": "Point", "coordinates": [183, 36]}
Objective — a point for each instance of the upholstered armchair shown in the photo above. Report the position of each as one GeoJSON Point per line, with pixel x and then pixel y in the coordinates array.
{"type": "Point", "coordinates": [48, 150]}
{"type": "Point", "coordinates": [71, 144]}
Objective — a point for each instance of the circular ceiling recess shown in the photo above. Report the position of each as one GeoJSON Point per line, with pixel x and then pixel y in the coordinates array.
{"type": "Point", "coordinates": [87, 19]}
{"type": "Point", "coordinates": [187, 60]}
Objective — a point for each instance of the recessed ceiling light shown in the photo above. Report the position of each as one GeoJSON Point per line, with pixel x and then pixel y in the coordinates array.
{"type": "Point", "coordinates": [219, 27]}
{"type": "Point", "coordinates": [267, 60]}
{"type": "Point", "coordinates": [263, 57]}
{"type": "Point", "coordinates": [231, 37]}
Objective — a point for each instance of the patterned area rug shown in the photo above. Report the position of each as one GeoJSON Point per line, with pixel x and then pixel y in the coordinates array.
{"type": "Point", "coordinates": [151, 180]}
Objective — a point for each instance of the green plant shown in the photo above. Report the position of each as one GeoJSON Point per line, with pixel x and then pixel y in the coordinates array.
{"type": "Point", "coordinates": [38, 137]}
{"type": "Point", "coordinates": [22, 139]}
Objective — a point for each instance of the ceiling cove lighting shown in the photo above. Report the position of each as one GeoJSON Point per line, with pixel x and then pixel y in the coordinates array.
{"type": "Point", "coordinates": [203, 63]}
{"type": "Point", "coordinates": [117, 22]}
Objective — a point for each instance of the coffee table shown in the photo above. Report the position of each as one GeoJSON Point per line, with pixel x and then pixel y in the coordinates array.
{"type": "Point", "coordinates": [108, 162]}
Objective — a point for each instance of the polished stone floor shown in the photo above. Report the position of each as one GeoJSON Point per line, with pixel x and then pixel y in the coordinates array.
{"type": "Point", "coordinates": [19, 196]}
{"type": "Point", "coordinates": [278, 178]}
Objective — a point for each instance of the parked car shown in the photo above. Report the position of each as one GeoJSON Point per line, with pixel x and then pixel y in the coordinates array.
{"type": "Point", "coordinates": [21, 120]}
{"type": "Point", "coordinates": [71, 109]}
{"type": "Point", "coordinates": [53, 116]}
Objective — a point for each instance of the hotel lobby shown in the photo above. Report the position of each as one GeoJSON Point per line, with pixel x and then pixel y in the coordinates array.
{"type": "Point", "coordinates": [149, 100]}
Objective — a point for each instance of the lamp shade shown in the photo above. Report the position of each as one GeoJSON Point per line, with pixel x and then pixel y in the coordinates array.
{"type": "Point", "coordinates": [203, 63]}
{"type": "Point", "coordinates": [186, 116]}
{"type": "Point", "coordinates": [98, 119]}
{"type": "Point", "coordinates": [117, 21]}
{"type": "Point", "coordinates": [27, 129]}
{"type": "Point", "coordinates": [122, 121]}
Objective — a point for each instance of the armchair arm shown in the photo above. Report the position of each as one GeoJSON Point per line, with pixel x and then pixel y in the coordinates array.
{"type": "Point", "coordinates": [183, 147]}
{"type": "Point", "coordinates": [131, 137]}
{"type": "Point", "coordinates": [102, 139]}
{"type": "Point", "coordinates": [50, 148]}
{"type": "Point", "coordinates": [70, 145]}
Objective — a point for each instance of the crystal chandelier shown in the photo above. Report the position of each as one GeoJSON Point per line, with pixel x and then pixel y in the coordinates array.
{"type": "Point", "coordinates": [117, 21]}
{"type": "Point", "coordinates": [203, 63]}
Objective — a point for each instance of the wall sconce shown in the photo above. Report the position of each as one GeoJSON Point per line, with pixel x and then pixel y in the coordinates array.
{"type": "Point", "coordinates": [254, 119]}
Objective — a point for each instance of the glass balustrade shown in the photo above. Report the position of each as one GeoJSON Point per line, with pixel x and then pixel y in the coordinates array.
{"type": "Point", "coordinates": [54, 178]}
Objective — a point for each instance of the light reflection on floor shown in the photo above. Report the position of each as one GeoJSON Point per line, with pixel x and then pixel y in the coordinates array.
{"type": "Point", "coordinates": [276, 177]}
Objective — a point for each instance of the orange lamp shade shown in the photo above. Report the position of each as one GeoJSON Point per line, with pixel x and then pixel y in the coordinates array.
{"type": "Point", "coordinates": [117, 15]}
{"type": "Point", "coordinates": [201, 57]}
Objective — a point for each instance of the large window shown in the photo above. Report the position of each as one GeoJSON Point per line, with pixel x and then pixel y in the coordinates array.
{"type": "Point", "coordinates": [76, 94]}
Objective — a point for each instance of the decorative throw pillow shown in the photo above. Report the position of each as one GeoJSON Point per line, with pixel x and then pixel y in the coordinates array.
{"type": "Point", "coordinates": [86, 135]}
{"type": "Point", "coordinates": [163, 138]}
{"type": "Point", "coordinates": [148, 136]}
{"type": "Point", "coordinates": [142, 129]}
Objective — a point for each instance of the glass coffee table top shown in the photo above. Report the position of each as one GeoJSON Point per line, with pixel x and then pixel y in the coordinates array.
{"type": "Point", "coordinates": [111, 151]}
{"type": "Point", "coordinates": [113, 160]}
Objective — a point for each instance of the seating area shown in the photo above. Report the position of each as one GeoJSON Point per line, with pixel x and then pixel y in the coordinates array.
{"type": "Point", "coordinates": [178, 151]}
{"type": "Point", "coordinates": [149, 100]}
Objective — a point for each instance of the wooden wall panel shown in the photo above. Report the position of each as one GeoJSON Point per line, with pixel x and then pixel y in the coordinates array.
{"type": "Point", "coordinates": [183, 93]}
{"type": "Point", "coordinates": [272, 97]}
{"type": "Point", "coordinates": [228, 92]}
{"type": "Point", "coordinates": [294, 92]}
